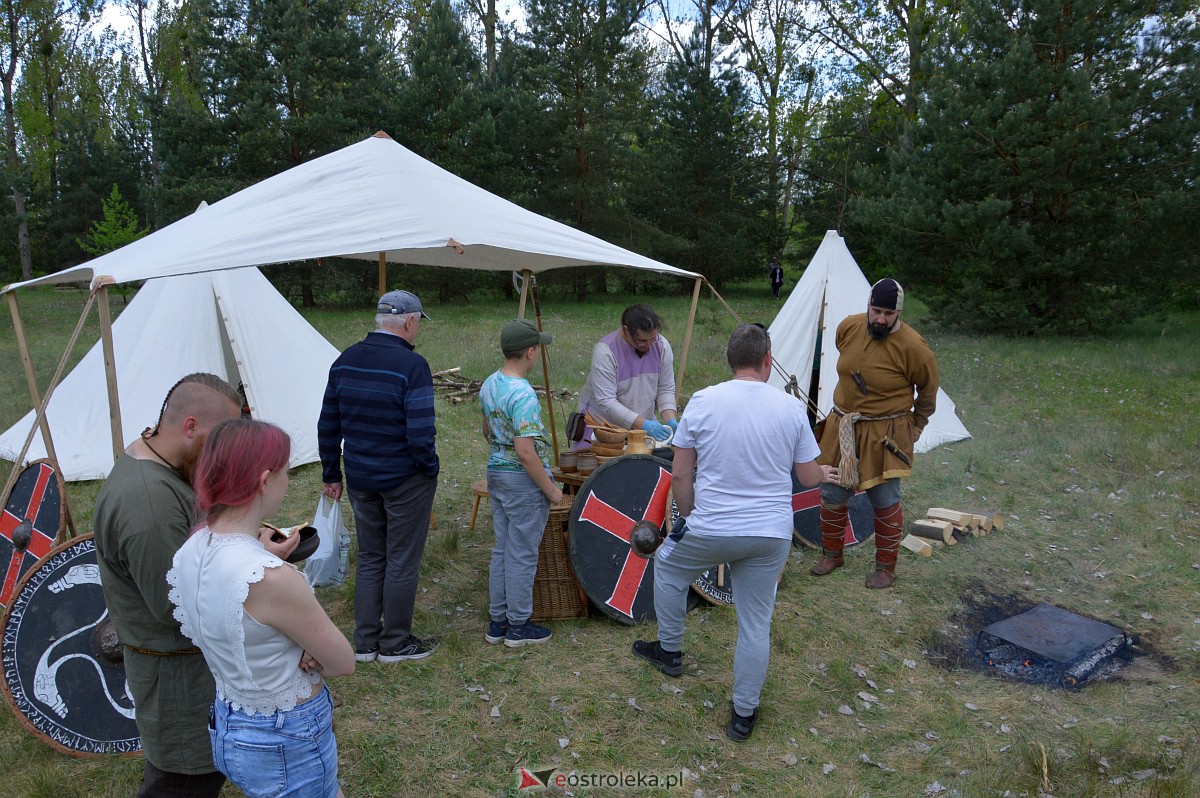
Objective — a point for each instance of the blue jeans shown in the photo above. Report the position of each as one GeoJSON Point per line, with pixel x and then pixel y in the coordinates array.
{"type": "Point", "coordinates": [519, 514]}
{"type": "Point", "coordinates": [290, 753]}
{"type": "Point", "coordinates": [392, 528]}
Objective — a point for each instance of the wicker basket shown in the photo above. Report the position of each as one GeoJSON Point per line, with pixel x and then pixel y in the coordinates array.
{"type": "Point", "coordinates": [556, 591]}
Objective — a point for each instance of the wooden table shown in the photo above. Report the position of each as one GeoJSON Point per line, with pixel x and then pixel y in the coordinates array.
{"type": "Point", "coordinates": [572, 480]}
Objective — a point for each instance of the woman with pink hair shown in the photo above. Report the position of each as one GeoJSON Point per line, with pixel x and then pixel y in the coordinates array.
{"type": "Point", "coordinates": [266, 639]}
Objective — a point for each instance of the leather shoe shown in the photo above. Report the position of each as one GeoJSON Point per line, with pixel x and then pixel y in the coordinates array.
{"type": "Point", "coordinates": [881, 579]}
{"type": "Point", "coordinates": [827, 565]}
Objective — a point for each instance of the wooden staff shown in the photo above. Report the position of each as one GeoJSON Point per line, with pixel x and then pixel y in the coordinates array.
{"type": "Point", "coordinates": [537, 315]}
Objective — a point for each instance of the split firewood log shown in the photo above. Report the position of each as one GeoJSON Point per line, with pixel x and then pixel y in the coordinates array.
{"type": "Point", "coordinates": [935, 529]}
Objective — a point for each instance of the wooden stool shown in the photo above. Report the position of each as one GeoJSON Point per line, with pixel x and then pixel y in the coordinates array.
{"type": "Point", "coordinates": [481, 492]}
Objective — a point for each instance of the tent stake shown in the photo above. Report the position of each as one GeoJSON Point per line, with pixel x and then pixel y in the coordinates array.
{"type": "Point", "coordinates": [687, 340]}
{"type": "Point", "coordinates": [110, 367]}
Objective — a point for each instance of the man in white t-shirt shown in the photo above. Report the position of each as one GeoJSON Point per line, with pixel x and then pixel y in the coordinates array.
{"type": "Point", "coordinates": [742, 439]}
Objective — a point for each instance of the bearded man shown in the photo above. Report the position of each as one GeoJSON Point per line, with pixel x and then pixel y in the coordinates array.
{"type": "Point", "coordinates": [886, 392]}
{"type": "Point", "coordinates": [144, 513]}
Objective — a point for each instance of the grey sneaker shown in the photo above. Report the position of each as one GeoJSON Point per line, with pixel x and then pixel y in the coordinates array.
{"type": "Point", "coordinates": [366, 654]}
{"type": "Point", "coordinates": [669, 662]}
{"type": "Point", "coordinates": [413, 648]}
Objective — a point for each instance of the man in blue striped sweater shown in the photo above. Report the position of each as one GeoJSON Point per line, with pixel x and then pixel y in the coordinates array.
{"type": "Point", "coordinates": [378, 417]}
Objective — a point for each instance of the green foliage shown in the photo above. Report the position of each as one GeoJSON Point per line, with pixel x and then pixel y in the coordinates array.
{"type": "Point", "coordinates": [117, 226]}
{"type": "Point", "coordinates": [1051, 168]}
{"type": "Point", "coordinates": [703, 193]}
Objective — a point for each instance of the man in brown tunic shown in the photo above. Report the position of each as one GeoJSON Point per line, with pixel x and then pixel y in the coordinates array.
{"type": "Point", "coordinates": [886, 392]}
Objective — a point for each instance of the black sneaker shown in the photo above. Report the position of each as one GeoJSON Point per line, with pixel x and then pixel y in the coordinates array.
{"type": "Point", "coordinates": [496, 631]}
{"type": "Point", "coordinates": [740, 727]}
{"type": "Point", "coordinates": [669, 662]}
{"type": "Point", "coordinates": [413, 648]}
{"type": "Point", "coordinates": [526, 634]}
{"type": "Point", "coordinates": [366, 654]}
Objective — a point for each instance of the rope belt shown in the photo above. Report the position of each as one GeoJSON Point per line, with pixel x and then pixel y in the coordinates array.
{"type": "Point", "coordinates": [182, 652]}
{"type": "Point", "coordinates": [848, 443]}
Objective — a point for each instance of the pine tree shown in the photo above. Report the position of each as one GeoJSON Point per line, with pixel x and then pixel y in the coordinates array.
{"type": "Point", "coordinates": [703, 187]}
{"type": "Point", "coordinates": [1054, 142]}
{"type": "Point", "coordinates": [117, 227]}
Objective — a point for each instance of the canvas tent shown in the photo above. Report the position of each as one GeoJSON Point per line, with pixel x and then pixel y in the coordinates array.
{"type": "Point", "coordinates": [233, 324]}
{"type": "Point", "coordinates": [832, 288]}
{"type": "Point", "coordinates": [375, 201]}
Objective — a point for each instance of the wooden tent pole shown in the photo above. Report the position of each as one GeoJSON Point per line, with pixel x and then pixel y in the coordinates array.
{"type": "Point", "coordinates": [41, 404]}
{"type": "Point", "coordinates": [687, 340]}
{"type": "Point", "coordinates": [110, 368]}
{"type": "Point", "coordinates": [524, 293]}
{"type": "Point", "coordinates": [382, 273]}
{"type": "Point", "coordinates": [531, 281]}
{"type": "Point", "coordinates": [30, 375]}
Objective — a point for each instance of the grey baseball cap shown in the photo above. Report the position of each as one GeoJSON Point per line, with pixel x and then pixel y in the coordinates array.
{"type": "Point", "coordinates": [397, 302]}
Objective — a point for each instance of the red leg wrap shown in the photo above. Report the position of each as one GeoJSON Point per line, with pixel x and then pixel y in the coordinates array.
{"type": "Point", "coordinates": [889, 524]}
{"type": "Point", "coordinates": [833, 529]}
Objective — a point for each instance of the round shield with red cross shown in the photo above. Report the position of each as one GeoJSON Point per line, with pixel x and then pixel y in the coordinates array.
{"type": "Point", "coordinates": [32, 518]}
{"type": "Point", "coordinates": [64, 673]}
{"type": "Point", "coordinates": [806, 517]}
{"type": "Point", "coordinates": [616, 496]}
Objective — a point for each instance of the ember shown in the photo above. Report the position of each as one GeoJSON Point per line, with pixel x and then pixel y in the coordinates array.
{"type": "Point", "coordinates": [1049, 645]}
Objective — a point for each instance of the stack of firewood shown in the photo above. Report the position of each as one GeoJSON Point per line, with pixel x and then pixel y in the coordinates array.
{"type": "Point", "coordinates": [452, 386]}
{"type": "Point", "coordinates": [943, 527]}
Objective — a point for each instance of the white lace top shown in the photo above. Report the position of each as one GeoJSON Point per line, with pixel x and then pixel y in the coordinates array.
{"type": "Point", "coordinates": [256, 667]}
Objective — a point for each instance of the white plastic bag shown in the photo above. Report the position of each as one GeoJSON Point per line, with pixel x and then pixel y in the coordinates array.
{"type": "Point", "coordinates": [331, 561]}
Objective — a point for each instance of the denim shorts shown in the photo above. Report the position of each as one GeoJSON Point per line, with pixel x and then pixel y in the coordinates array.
{"type": "Point", "coordinates": [290, 753]}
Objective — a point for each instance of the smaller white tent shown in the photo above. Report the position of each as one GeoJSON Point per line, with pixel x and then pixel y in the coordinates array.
{"type": "Point", "coordinates": [230, 323]}
{"type": "Point", "coordinates": [832, 288]}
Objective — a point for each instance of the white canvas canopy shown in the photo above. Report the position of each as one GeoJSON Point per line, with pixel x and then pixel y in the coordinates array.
{"type": "Point", "coordinates": [233, 324]}
{"type": "Point", "coordinates": [832, 288]}
{"type": "Point", "coordinates": [372, 200]}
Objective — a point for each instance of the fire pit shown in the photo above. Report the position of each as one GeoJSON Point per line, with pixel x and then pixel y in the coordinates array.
{"type": "Point", "coordinates": [1049, 645]}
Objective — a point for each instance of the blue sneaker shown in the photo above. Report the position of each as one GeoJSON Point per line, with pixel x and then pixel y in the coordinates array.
{"type": "Point", "coordinates": [526, 634]}
{"type": "Point", "coordinates": [496, 631]}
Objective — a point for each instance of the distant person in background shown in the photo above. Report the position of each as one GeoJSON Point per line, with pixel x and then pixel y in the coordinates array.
{"type": "Point", "coordinates": [519, 483]}
{"type": "Point", "coordinates": [377, 417]}
{"type": "Point", "coordinates": [632, 376]}
{"type": "Point", "coordinates": [775, 275]}
{"type": "Point", "coordinates": [144, 512]}
{"type": "Point", "coordinates": [874, 425]}
{"type": "Point", "coordinates": [266, 639]}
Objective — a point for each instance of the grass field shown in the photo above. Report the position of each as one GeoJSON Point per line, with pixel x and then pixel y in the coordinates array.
{"type": "Point", "coordinates": [1087, 448]}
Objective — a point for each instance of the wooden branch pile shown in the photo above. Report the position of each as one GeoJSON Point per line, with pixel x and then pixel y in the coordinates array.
{"type": "Point", "coordinates": [452, 386]}
{"type": "Point", "coordinates": [943, 527]}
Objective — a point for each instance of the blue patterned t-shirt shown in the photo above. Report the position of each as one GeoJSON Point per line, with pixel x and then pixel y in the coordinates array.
{"type": "Point", "coordinates": [511, 408]}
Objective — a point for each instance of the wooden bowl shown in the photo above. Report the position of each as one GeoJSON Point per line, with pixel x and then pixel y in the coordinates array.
{"type": "Point", "coordinates": [607, 451]}
{"type": "Point", "coordinates": [608, 437]}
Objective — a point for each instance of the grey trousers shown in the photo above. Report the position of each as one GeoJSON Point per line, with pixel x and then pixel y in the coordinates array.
{"type": "Point", "coordinates": [391, 527]}
{"type": "Point", "coordinates": [755, 563]}
{"type": "Point", "coordinates": [519, 514]}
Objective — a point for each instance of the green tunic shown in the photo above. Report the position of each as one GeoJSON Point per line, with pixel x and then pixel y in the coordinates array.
{"type": "Point", "coordinates": [143, 515]}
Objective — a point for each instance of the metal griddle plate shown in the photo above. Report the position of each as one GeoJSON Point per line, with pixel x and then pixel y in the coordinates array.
{"type": "Point", "coordinates": [1054, 633]}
